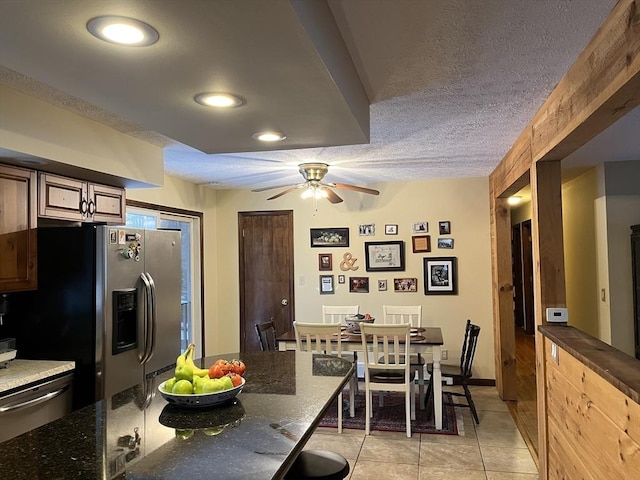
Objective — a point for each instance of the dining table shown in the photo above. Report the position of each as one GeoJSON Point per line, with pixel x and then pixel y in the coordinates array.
{"type": "Point", "coordinates": [423, 340]}
{"type": "Point", "coordinates": [138, 434]}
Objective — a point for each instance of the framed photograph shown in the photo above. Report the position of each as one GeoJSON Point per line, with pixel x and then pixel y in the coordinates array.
{"type": "Point", "coordinates": [367, 230]}
{"type": "Point", "coordinates": [445, 228]}
{"type": "Point", "coordinates": [391, 229]}
{"type": "Point", "coordinates": [341, 279]}
{"type": "Point", "coordinates": [325, 261]}
{"type": "Point", "coordinates": [113, 236]}
{"type": "Point", "coordinates": [326, 284]}
{"type": "Point", "coordinates": [329, 237]}
{"type": "Point", "coordinates": [420, 227]}
{"type": "Point", "coordinates": [359, 284]}
{"type": "Point", "coordinates": [384, 256]}
{"type": "Point", "coordinates": [405, 284]}
{"type": "Point", "coordinates": [382, 285]}
{"type": "Point", "coordinates": [440, 276]}
{"type": "Point", "coordinates": [421, 243]}
{"type": "Point", "coordinates": [445, 243]}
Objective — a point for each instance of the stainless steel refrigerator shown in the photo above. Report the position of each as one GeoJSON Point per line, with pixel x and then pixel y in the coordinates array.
{"type": "Point", "coordinates": [108, 298]}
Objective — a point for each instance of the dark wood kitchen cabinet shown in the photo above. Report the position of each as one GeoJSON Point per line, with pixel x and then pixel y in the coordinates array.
{"type": "Point", "coordinates": [64, 198]}
{"type": "Point", "coordinates": [18, 235]}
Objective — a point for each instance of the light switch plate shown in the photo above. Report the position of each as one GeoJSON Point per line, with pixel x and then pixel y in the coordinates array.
{"type": "Point", "coordinates": [557, 315]}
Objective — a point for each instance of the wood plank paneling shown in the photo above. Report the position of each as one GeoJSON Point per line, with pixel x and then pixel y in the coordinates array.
{"type": "Point", "coordinates": [585, 428]}
{"type": "Point", "coordinates": [504, 335]}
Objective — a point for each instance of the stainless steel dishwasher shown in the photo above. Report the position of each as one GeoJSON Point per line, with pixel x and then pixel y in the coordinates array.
{"type": "Point", "coordinates": [34, 406]}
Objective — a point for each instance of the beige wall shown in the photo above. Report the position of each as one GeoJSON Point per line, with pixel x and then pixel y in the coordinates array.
{"type": "Point", "coordinates": [33, 127]}
{"type": "Point", "coordinates": [579, 231]}
{"type": "Point", "coordinates": [464, 202]}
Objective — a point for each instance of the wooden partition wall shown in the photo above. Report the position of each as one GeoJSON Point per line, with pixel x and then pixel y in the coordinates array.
{"type": "Point", "coordinates": [600, 88]}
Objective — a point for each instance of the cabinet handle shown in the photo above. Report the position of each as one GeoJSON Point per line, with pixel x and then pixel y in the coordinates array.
{"type": "Point", "coordinates": [30, 403]}
{"type": "Point", "coordinates": [92, 208]}
{"type": "Point", "coordinates": [83, 207]}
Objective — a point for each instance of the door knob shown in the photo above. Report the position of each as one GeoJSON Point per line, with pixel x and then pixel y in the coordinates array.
{"type": "Point", "coordinates": [284, 302]}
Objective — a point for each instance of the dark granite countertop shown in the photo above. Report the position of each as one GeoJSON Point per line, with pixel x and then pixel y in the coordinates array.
{"type": "Point", "coordinates": [135, 436]}
{"type": "Point", "coordinates": [619, 369]}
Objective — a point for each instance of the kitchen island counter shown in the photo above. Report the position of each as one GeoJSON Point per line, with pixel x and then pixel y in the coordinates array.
{"type": "Point", "coordinates": [22, 373]}
{"type": "Point", "coordinates": [136, 434]}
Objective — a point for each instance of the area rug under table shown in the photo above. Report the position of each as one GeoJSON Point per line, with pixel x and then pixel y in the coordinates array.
{"type": "Point", "coordinates": [391, 416]}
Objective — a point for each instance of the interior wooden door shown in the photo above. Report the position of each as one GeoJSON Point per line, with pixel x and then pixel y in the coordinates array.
{"type": "Point", "coordinates": [266, 273]}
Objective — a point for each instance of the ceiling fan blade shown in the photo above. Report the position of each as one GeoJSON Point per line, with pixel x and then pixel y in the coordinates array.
{"type": "Point", "coordinates": [355, 188]}
{"type": "Point", "coordinates": [332, 196]}
{"type": "Point", "coordinates": [284, 192]}
{"type": "Point", "coordinates": [277, 186]}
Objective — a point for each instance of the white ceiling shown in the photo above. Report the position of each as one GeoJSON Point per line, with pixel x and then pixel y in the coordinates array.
{"type": "Point", "coordinates": [381, 90]}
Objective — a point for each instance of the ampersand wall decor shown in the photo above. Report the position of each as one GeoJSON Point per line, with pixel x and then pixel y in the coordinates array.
{"type": "Point", "coordinates": [348, 262]}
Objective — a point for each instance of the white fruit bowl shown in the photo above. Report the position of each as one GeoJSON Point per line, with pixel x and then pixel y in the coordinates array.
{"type": "Point", "coordinates": [201, 399]}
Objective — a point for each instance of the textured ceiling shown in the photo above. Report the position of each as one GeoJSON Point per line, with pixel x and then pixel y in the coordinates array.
{"type": "Point", "coordinates": [449, 84]}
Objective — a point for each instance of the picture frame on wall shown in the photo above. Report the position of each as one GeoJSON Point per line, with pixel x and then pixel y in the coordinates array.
{"type": "Point", "coordinates": [359, 284]}
{"type": "Point", "coordinates": [391, 229]}
{"type": "Point", "coordinates": [440, 276]}
{"type": "Point", "coordinates": [420, 227]}
{"type": "Point", "coordinates": [341, 279]}
{"type": "Point", "coordinates": [382, 285]}
{"type": "Point", "coordinates": [405, 284]}
{"type": "Point", "coordinates": [444, 227]}
{"type": "Point", "coordinates": [384, 256]}
{"type": "Point", "coordinates": [326, 284]}
{"type": "Point", "coordinates": [367, 230]}
{"type": "Point", "coordinates": [329, 237]}
{"type": "Point", "coordinates": [325, 262]}
{"type": "Point", "coordinates": [445, 243]}
{"type": "Point", "coordinates": [421, 243]}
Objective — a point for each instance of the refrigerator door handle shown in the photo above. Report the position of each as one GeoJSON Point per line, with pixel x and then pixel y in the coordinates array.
{"type": "Point", "coordinates": [147, 323]}
{"type": "Point", "coordinates": [154, 316]}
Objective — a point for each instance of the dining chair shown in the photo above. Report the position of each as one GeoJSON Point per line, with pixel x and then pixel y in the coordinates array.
{"type": "Point", "coordinates": [267, 335]}
{"type": "Point", "coordinates": [337, 313]}
{"type": "Point", "coordinates": [461, 373]}
{"type": "Point", "coordinates": [325, 338]}
{"type": "Point", "coordinates": [412, 314]}
{"type": "Point", "coordinates": [387, 369]}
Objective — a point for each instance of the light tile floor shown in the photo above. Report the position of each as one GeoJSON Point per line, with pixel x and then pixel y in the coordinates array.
{"type": "Point", "coordinates": [493, 450]}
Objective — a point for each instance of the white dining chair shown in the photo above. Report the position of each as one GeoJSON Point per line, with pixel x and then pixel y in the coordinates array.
{"type": "Point", "coordinates": [326, 338]}
{"type": "Point", "coordinates": [337, 313]}
{"type": "Point", "coordinates": [387, 370]}
{"type": "Point", "coordinates": [412, 314]}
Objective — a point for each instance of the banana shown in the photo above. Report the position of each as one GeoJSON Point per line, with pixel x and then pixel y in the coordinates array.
{"type": "Point", "coordinates": [182, 358]}
{"type": "Point", "coordinates": [200, 372]}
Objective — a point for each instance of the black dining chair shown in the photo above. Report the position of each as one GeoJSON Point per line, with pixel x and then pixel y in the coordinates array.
{"type": "Point", "coordinates": [267, 335]}
{"type": "Point", "coordinates": [460, 374]}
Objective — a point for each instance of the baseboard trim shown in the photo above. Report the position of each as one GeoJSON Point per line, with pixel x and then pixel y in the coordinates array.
{"type": "Point", "coordinates": [482, 382]}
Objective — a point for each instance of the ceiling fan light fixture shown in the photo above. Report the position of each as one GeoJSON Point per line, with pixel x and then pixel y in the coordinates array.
{"type": "Point", "coordinates": [270, 136]}
{"type": "Point", "coordinates": [219, 100]}
{"type": "Point", "coordinates": [123, 31]}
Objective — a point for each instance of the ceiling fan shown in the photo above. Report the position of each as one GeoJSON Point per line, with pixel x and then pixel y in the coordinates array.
{"type": "Point", "coordinates": [313, 173]}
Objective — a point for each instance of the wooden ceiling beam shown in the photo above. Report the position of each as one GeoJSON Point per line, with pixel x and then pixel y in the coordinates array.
{"type": "Point", "coordinates": [601, 87]}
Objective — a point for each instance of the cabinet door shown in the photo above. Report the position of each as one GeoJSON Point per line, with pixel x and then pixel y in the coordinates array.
{"type": "Point", "coordinates": [107, 204]}
{"type": "Point", "coordinates": [18, 235]}
{"type": "Point", "coordinates": [62, 198]}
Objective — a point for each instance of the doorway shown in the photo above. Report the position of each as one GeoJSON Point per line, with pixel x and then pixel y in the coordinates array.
{"type": "Point", "coordinates": [265, 242]}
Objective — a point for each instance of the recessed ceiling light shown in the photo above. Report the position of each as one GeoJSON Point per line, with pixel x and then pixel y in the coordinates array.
{"type": "Point", "coordinates": [269, 136]}
{"type": "Point", "coordinates": [123, 31]}
{"type": "Point", "coordinates": [514, 200]}
{"type": "Point", "coordinates": [219, 100]}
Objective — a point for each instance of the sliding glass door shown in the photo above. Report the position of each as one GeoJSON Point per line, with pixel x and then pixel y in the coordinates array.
{"type": "Point", "coordinates": [189, 226]}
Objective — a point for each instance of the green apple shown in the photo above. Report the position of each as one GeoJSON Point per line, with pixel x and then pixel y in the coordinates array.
{"type": "Point", "coordinates": [182, 387]}
{"type": "Point", "coordinates": [212, 385]}
{"type": "Point", "coordinates": [168, 385]}
{"type": "Point", "coordinates": [226, 383]}
{"type": "Point", "coordinates": [198, 383]}
{"type": "Point", "coordinates": [184, 372]}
